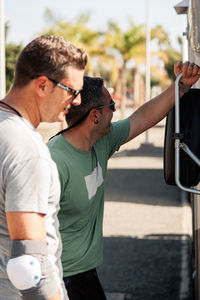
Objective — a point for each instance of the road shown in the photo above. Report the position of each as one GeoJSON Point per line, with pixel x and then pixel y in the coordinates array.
{"type": "Point", "coordinates": [147, 227]}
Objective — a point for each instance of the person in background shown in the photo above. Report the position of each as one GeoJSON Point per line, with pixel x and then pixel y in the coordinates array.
{"type": "Point", "coordinates": [81, 153]}
{"type": "Point", "coordinates": [48, 80]}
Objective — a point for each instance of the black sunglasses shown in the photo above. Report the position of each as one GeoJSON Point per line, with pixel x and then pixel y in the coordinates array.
{"type": "Point", "coordinates": [84, 116]}
{"type": "Point", "coordinates": [111, 104]}
{"type": "Point", "coordinates": [65, 87]}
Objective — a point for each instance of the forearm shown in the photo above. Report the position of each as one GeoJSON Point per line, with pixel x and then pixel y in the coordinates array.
{"type": "Point", "coordinates": [28, 235]}
{"type": "Point", "coordinates": [156, 109]}
{"type": "Point", "coordinates": [152, 112]}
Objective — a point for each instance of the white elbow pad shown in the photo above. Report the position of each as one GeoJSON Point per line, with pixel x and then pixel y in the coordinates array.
{"type": "Point", "coordinates": [30, 270]}
{"type": "Point", "coordinates": [24, 271]}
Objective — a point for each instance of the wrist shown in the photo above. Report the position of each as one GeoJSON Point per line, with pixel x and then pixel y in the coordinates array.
{"type": "Point", "coordinates": [183, 87]}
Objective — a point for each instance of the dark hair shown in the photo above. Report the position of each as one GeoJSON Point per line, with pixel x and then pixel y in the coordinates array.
{"type": "Point", "coordinates": [47, 55]}
{"type": "Point", "coordinates": [92, 96]}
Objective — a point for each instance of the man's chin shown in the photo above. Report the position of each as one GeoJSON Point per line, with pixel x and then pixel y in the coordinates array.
{"type": "Point", "coordinates": [61, 117]}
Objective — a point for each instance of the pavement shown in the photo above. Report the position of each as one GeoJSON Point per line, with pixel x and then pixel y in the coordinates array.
{"type": "Point", "coordinates": [144, 217]}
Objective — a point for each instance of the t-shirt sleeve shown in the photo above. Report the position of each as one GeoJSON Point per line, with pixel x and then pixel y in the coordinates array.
{"type": "Point", "coordinates": [27, 186]}
{"type": "Point", "coordinates": [118, 135]}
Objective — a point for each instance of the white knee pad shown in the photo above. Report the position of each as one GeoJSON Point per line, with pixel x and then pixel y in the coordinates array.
{"type": "Point", "coordinates": [24, 271]}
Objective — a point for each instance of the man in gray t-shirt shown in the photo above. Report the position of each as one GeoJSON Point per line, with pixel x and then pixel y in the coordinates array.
{"type": "Point", "coordinates": [48, 80]}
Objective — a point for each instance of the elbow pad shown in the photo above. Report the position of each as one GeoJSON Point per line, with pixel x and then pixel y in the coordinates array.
{"type": "Point", "coordinates": [24, 271]}
{"type": "Point", "coordinates": [30, 271]}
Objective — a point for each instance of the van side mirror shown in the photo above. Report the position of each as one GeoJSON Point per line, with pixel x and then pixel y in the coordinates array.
{"type": "Point", "coordinates": [182, 147]}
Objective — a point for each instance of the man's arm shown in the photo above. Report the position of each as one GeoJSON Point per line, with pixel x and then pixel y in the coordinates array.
{"type": "Point", "coordinates": [156, 109]}
{"type": "Point", "coordinates": [28, 226]}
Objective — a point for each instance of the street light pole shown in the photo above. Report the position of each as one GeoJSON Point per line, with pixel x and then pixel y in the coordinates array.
{"type": "Point", "coordinates": [147, 77]}
{"type": "Point", "coordinates": [2, 51]}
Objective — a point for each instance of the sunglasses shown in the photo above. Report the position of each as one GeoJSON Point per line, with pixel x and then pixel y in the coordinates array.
{"type": "Point", "coordinates": [65, 87]}
{"type": "Point", "coordinates": [111, 104]}
{"type": "Point", "coordinates": [84, 116]}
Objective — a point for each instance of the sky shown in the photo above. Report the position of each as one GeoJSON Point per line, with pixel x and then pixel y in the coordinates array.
{"type": "Point", "coordinates": [26, 17]}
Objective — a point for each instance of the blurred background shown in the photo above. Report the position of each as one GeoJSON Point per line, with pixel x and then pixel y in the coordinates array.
{"type": "Point", "coordinates": [114, 35]}
{"type": "Point", "coordinates": [133, 45]}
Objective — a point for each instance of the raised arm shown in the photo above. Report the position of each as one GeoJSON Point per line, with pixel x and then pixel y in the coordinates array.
{"type": "Point", "coordinates": [156, 109]}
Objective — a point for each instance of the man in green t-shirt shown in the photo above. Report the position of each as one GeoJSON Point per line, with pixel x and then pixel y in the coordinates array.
{"type": "Point", "coordinates": [81, 153]}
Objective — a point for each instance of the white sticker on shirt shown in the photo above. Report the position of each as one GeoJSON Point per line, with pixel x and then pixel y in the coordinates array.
{"type": "Point", "coordinates": [94, 180]}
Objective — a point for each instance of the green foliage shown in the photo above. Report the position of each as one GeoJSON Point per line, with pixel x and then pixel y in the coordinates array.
{"type": "Point", "coordinates": [12, 52]}
{"type": "Point", "coordinates": [109, 52]}
{"type": "Point", "coordinates": [158, 33]}
{"type": "Point", "coordinates": [78, 33]}
{"type": "Point", "coordinates": [180, 41]}
{"type": "Point", "coordinates": [173, 57]}
{"type": "Point", "coordinates": [155, 81]}
{"type": "Point", "coordinates": [125, 42]}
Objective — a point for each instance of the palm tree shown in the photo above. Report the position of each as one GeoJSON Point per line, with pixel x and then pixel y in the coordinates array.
{"type": "Point", "coordinates": [166, 53]}
{"type": "Point", "coordinates": [125, 45]}
{"type": "Point", "coordinates": [77, 33]}
{"type": "Point", "coordinates": [162, 37]}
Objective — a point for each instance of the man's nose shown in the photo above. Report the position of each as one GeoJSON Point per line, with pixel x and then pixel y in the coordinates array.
{"type": "Point", "coordinates": [77, 100]}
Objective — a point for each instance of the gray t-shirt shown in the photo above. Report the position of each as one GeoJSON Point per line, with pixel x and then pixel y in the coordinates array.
{"type": "Point", "coordinates": [28, 182]}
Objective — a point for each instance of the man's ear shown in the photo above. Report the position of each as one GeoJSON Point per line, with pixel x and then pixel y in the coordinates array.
{"type": "Point", "coordinates": [41, 85]}
{"type": "Point", "coordinates": [94, 116]}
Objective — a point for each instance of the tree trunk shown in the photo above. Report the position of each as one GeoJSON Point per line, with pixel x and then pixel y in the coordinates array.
{"type": "Point", "coordinates": [122, 75]}
{"type": "Point", "coordinates": [138, 88]}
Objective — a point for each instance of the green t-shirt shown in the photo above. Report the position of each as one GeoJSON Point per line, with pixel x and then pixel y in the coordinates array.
{"type": "Point", "coordinates": [82, 176]}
